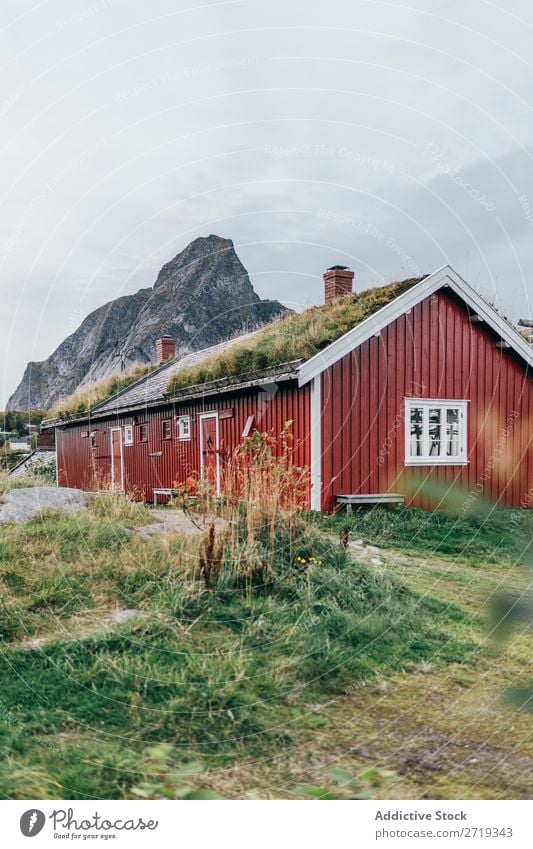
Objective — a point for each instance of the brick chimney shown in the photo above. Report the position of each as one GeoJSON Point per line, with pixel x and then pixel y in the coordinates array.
{"type": "Point", "coordinates": [165, 349]}
{"type": "Point", "coordinates": [338, 281]}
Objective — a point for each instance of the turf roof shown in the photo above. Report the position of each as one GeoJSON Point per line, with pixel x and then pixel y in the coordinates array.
{"type": "Point", "coordinates": [299, 336]}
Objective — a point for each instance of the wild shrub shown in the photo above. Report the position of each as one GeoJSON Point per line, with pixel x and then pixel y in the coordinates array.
{"type": "Point", "coordinates": [275, 577]}
{"type": "Point", "coordinates": [115, 507]}
{"type": "Point", "coordinates": [263, 493]}
{"type": "Point", "coordinates": [211, 557]}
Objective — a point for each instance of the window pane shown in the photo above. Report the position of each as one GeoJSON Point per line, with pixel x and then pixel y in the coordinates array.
{"type": "Point", "coordinates": [417, 431]}
{"type": "Point", "coordinates": [184, 427]}
{"type": "Point", "coordinates": [435, 432]}
{"type": "Point", "coordinates": [453, 433]}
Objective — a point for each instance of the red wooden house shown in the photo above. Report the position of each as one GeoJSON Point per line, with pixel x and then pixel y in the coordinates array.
{"type": "Point", "coordinates": [432, 384]}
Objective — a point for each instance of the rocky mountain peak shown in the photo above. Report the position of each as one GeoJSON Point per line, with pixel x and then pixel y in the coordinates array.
{"type": "Point", "coordinates": [216, 250]}
{"type": "Point", "coordinates": [202, 296]}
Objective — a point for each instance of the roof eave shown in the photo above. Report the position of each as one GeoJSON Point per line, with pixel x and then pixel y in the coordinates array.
{"type": "Point", "coordinates": [275, 374]}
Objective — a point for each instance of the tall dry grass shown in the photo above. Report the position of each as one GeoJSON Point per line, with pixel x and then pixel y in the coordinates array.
{"type": "Point", "coordinates": [263, 493]}
{"type": "Point", "coordinates": [84, 399]}
{"type": "Point", "coordinates": [30, 480]}
{"type": "Point", "coordinates": [116, 508]}
{"type": "Point", "coordinates": [262, 481]}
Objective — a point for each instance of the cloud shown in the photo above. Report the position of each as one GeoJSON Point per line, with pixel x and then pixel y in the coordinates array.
{"type": "Point", "coordinates": [391, 138]}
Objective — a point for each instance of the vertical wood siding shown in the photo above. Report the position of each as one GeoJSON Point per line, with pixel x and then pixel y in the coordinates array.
{"type": "Point", "coordinates": [433, 352]}
{"type": "Point", "coordinates": [163, 462]}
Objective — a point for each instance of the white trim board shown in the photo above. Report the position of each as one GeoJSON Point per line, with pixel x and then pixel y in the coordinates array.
{"type": "Point", "coordinates": [316, 443]}
{"type": "Point", "coordinates": [445, 276]}
{"type": "Point", "coordinates": [56, 446]}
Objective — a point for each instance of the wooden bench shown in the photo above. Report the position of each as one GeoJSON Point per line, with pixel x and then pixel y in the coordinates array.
{"type": "Point", "coordinates": [163, 491]}
{"type": "Point", "coordinates": [374, 499]}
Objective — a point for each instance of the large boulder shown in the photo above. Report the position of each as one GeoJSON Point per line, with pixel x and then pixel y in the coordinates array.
{"type": "Point", "coordinates": [22, 505]}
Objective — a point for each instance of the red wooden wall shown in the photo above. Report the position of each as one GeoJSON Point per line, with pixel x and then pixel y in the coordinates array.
{"type": "Point", "coordinates": [434, 352]}
{"type": "Point", "coordinates": [163, 462]}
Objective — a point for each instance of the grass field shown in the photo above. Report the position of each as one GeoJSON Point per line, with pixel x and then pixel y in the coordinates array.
{"type": "Point", "coordinates": [279, 665]}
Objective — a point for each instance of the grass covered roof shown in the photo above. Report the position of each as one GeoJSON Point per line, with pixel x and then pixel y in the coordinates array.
{"type": "Point", "coordinates": [298, 337]}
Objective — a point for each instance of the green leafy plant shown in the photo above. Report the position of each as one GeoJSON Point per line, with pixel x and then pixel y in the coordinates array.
{"type": "Point", "coordinates": [160, 781]}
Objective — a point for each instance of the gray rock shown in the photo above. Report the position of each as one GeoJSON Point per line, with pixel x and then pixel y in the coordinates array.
{"type": "Point", "coordinates": [22, 505]}
{"type": "Point", "coordinates": [152, 530]}
{"type": "Point", "coordinates": [121, 616]}
{"type": "Point", "coordinates": [201, 297]}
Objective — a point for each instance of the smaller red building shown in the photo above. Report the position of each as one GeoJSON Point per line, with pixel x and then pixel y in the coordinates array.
{"type": "Point", "coordinates": [431, 386]}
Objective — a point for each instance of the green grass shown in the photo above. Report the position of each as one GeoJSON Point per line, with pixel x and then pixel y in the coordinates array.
{"type": "Point", "coordinates": [296, 337]}
{"type": "Point", "coordinates": [221, 678]}
{"type": "Point", "coordinates": [485, 536]}
{"type": "Point", "coordinates": [84, 399]}
{"type": "Point", "coordinates": [260, 683]}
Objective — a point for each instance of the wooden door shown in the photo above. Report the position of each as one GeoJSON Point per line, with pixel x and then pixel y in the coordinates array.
{"type": "Point", "coordinates": [209, 450]}
{"type": "Point", "coordinates": [117, 471]}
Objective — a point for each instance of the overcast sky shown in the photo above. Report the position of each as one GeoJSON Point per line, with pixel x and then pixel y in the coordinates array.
{"type": "Point", "coordinates": [392, 137]}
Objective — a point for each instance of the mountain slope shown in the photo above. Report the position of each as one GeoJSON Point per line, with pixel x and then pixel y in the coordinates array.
{"type": "Point", "coordinates": [200, 297]}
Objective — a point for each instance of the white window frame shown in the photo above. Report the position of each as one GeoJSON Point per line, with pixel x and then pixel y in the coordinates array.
{"type": "Point", "coordinates": [427, 404]}
{"type": "Point", "coordinates": [184, 428]}
{"type": "Point", "coordinates": [128, 435]}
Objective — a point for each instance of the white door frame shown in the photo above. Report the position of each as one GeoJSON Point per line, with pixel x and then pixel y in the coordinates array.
{"type": "Point", "coordinates": [202, 416]}
{"type": "Point", "coordinates": [113, 482]}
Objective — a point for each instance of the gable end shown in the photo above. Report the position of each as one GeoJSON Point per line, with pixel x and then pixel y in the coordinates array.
{"type": "Point", "coordinates": [444, 277]}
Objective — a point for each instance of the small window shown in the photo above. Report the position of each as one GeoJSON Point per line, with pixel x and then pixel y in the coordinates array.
{"type": "Point", "coordinates": [184, 427]}
{"type": "Point", "coordinates": [128, 435]}
{"type": "Point", "coordinates": [143, 433]}
{"type": "Point", "coordinates": [167, 429]}
{"type": "Point", "coordinates": [436, 432]}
